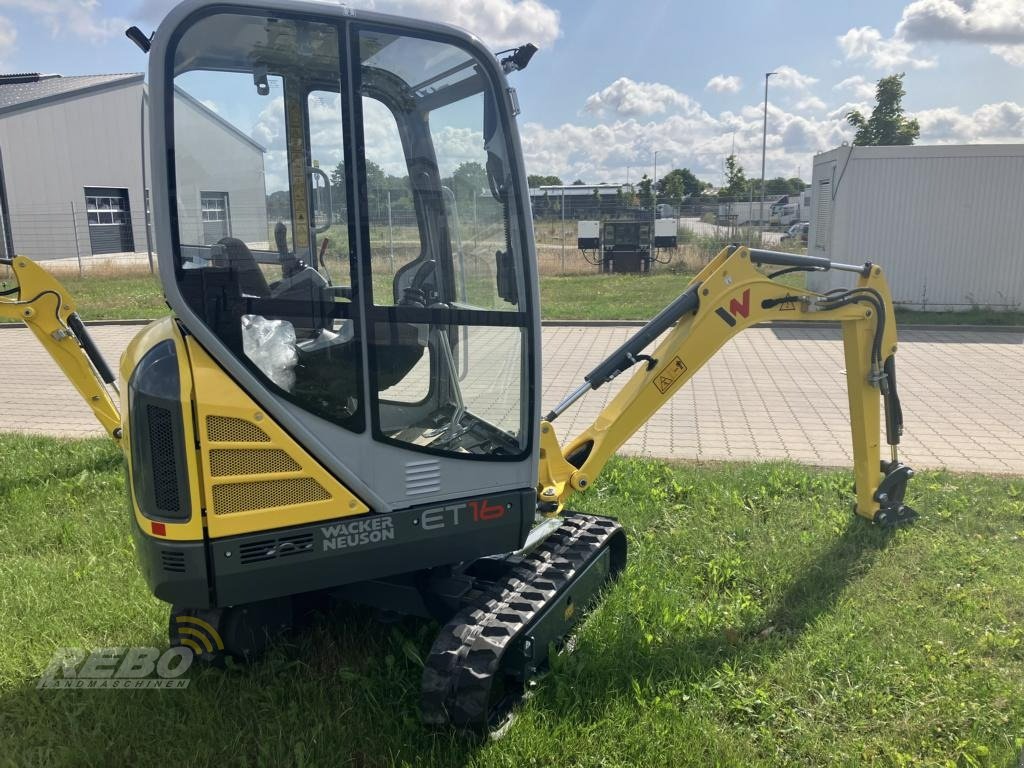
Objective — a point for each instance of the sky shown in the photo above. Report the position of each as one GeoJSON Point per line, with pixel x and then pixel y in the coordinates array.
{"type": "Point", "coordinates": [615, 83]}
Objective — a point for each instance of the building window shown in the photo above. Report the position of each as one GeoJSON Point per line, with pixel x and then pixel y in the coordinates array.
{"type": "Point", "coordinates": [106, 210]}
{"type": "Point", "coordinates": [214, 205]}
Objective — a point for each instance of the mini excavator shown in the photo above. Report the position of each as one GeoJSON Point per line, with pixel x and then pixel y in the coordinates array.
{"type": "Point", "coordinates": [335, 410]}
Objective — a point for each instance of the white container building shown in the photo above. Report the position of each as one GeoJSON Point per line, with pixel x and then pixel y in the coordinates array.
{"type": "Point", "coordinates": [945, 222]}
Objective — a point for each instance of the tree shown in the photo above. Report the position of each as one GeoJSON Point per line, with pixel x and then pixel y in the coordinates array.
{"type": "Point", "coordinates": [778, 186]}
{"type": "Point", "coordinates": [469, 178]}
{"type": "Point", "coordinates": [338, 188]}
{"type": "Point", "coordinates": [645, 193]}
{"type": "Point", "coordinates": [887, 125]}
{"type": "Point", "coordinates": [375, 189]}
{"type": "Point", "coordinates": [677, 184]}
{"type": "Point", "coordinates": [578, 183]}
{"type": "Point", "coordinates": [735, 179]}
{"type": "Point", "coordinates": [534, 181]}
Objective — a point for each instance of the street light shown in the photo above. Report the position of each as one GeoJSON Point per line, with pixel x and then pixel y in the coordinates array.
{"type": "Point", "coordinates": [654, 187]}
{"type": "Point", "coordinates": [764, 143]}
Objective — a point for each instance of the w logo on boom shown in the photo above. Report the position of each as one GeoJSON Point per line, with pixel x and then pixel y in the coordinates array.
{"type": "Point", "coordinates": [198, 635]}
{"type": "Point", "coordinates": [737, 308]}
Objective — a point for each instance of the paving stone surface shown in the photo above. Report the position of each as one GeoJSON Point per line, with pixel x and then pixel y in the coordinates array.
{"type": "Point", "coordinates": [770, 393]}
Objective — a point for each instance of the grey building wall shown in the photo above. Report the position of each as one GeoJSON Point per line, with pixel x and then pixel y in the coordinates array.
{"type": "Point", "coordinates": [943, 221]}
{"type": "Point", "coordinates": [52, 151]}
{"type": "Point", "coordinates": [212, 156]}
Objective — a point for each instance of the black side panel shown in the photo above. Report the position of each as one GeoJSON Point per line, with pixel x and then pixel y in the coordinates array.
{"type": "Point", "coordinates": [159, 472]}
{"type": "Point", "coordinates": [333, 553]}
{"type": "Point", "coordinates": [174, 570]}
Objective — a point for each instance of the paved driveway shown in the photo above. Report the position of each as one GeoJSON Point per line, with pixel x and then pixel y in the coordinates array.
{"type": "Point", "coordinates": [771, 393]}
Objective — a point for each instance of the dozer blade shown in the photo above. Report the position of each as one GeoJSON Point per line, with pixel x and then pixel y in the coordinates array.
{"type": "Point", "coordinates": [479, 666]}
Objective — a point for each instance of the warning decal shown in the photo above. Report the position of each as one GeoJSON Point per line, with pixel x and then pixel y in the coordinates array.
{"type": "Point", "coordinates": [667, 376]}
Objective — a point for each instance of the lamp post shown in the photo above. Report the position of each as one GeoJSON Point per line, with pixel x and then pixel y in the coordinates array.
{"type": "Point", "coordinates": [764, 143]}
{"type": "Point", "coordinates": [654, 186]}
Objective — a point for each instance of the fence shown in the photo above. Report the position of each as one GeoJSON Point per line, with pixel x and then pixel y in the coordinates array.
{"type": "Point", "coordinates": [71, 239]}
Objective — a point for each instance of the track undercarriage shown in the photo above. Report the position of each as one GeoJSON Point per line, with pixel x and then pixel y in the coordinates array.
{"type": "Point", "coordinates": [496, 636]}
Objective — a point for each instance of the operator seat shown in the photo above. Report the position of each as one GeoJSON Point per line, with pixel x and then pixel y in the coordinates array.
{"type": "Point", "coordinates": [247, 273]}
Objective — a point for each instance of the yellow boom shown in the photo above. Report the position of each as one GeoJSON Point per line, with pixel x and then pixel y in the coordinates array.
{"type": "Point", "coordinates": [729, 295]}
{"type": "Point", "coordinates": [48, 310]}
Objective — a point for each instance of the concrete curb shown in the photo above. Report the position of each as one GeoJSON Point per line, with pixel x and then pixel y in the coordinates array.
{"type": "Point", "coordinates": [791, 324]}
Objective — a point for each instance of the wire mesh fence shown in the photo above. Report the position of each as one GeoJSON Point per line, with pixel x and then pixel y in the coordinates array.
{"type": "Point", "coordinates": [102, 239]}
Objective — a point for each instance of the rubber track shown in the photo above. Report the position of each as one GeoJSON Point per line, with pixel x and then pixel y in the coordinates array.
{"type": "Point", "coordinates": [465, 659]}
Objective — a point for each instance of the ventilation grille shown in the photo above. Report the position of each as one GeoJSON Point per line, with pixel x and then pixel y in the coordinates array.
{"type": "Point", "coordinates": [422, 477]}
{"type": "Point", "coordinates": [237, 461]}
{"type": "Point", "coordinates": [271, 549]}
{"type": "Point", "coordinates": [164, 467]}
{"type": "Point", "coordinates": [173, 561]}
{"type": "Point", "coordinates": [225, 429]}
{"type": "Point", "coordinates": [265, 494]}
{"type": "Point", "coordinates": [823, 214]}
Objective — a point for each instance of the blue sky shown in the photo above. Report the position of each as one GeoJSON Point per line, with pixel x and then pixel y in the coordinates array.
{"type": "Point", "coordinates": [614, 82]}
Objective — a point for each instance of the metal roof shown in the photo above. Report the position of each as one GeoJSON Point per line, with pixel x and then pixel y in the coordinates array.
{"type": "Point", "coordinates": [22, 90]}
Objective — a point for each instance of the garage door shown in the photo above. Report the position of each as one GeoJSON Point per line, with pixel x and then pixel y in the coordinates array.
{"type": "Point", "coordinates": [110, 220]}
{"type": "Point", "coordinates": [215, 216]}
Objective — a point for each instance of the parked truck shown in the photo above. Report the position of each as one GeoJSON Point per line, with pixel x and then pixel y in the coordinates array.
{"type": "Point", "coordinates": [791, 209]}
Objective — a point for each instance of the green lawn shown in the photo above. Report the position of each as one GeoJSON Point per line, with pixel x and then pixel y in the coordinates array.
{"type": "Point", "coordinates": [757, 624]}
{"type": "Point", "coordinates": [608, 297]}
{"type": "Point", "coordinates": [576, 297]}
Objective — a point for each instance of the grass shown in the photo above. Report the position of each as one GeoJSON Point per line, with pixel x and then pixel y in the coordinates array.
{"type": "Point", "coordinates": [609, 297]}
{"type": "Point", "coordinates": [757, 624]}
{"type": "Point", "coordinates": [107, 295]}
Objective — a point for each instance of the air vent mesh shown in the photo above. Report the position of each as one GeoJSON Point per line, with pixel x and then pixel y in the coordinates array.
{"type": "Point", "coordinates": [225, 429]}
{"type": "Point", "coordinates": [164, 467]}
{"type": "Point", "coordinates": [237, 461]}
{"type": "Point", "coordinates": [269, 549]}
{"type": "Point", "coordinates": [173, 561]}
{"type": "Point", "coordinates": [264, 494]}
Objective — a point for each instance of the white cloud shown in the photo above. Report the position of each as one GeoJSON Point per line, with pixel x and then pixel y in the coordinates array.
{"type": "Point", "coordinates": [628, 98]}
{"type": "Point", "coordinates": [1011, 54]}
{"type": "Point", "coordinates": [999, 23]}
{"type": "Point", "coordinates": [724, 84]}
{"type": "Point", "coordinates": [8, 38]}
{"type": "Point", "coordinates": [81, 18]}
{"type": "Point", "coordinates": [891, 53]}
{"type": "Point", "coordinates": [698, 141]}
{"type": "Point", "coordinates": [787, 77]}
{"type": "Point", "coordinates": [810, 103]}
{"type": "Point", "coordinates": [1000, 122]}
{"type": "Point", "coordinates": [996, 23]}
{"type": "Point", "coordinates": [499, 23]}
{"type": "Point", "coordinates": [987, 21]}
{"type": "Point", "coordinates": [858, 86]}
{"type": "Point", "coordinates": [840, 112]}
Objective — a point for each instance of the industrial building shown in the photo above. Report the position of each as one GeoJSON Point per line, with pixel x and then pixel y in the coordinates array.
{"type": "Point", "coordinates": [944, 220]}
{"type": "Point", "coordinates": [74, 178]}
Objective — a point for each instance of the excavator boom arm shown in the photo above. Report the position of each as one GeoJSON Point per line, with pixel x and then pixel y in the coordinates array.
{"type": "Point", "coordinates": [45, 306]}
{"type": "Point", "coordinates": [729, 295]}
